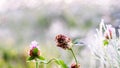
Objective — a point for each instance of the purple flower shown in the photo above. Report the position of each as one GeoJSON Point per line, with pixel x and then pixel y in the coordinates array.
{"type": "Point", "coordinates": [34, 50]}
{"type": "Point", "coordinates": [33, 44]}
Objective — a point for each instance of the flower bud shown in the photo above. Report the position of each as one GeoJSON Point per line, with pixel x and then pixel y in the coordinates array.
{"type": "Point", "coordinates": [108, 35]}
{"type": "Point", "coordinates": [74, 65]}
{"type": "Point", "coordinates": [34, 50]}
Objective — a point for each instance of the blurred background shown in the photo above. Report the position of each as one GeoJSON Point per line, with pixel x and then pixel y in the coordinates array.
{"type": "Point", "coordinates": [22, 21]}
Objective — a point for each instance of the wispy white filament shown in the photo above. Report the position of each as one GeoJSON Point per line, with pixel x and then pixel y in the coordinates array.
{"type": "Point", "coordinates": [107, 54]}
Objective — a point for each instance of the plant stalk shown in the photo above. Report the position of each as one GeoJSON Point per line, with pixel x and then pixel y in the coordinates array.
{"type": "Point", "coordinates": [74, 56]}
{"type": "Point", "coordinates": [37, 64]}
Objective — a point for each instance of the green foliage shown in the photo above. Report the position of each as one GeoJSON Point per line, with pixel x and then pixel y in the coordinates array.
{"type": "Point", "coordinates": [105, 42]}
{"type": "Point", "coordinates": [30, 58]}
{"type": "Point", "coordinates": [35, 51]}
{"type": "Point", "coordinates": [61, 63]}
{"type": "Point", "coordinates": [6, 56]}
{"type": "Point", "coordinates": [41, 58]}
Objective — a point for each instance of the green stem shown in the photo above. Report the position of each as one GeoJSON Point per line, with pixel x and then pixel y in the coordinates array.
{"type": "Point", "coordinates": [37, 65]}
{"type": "Point", "coordinates": [74, 56]}
{"type": "Point", "coordinates": [48, 61]}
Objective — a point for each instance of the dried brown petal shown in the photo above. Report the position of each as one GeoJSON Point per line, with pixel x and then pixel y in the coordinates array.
{"type": "Point", "coordinates": [62, 41]}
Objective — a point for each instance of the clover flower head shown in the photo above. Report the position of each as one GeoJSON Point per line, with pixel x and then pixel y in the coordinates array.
{"type": "Point", "coordinates": [63, 41]}
{"type": "Point", "coordinates": [74, 65]}
{"type": "Point", "coordinates": [34, 44]}
{"type": "Point", "coordinates": [34, 50]}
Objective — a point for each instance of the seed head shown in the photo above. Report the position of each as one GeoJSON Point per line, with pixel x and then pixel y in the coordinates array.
{"type": "Point", "coordinates": [62, 41]}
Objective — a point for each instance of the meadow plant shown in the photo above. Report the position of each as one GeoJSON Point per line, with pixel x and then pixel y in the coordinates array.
{"type": "Point", "coordinates": [35, 56]}
{"type": "Point", "coordinates": [104, 45]}
{"type": "Point", "coordinates": [65, 43]}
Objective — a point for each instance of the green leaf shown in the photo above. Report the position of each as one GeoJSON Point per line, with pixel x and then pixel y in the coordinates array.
{"type": "Point", "coordinates": [44, 61]}
{"type": "Point", "coordinates": [30, 58]}
{"type": "Point", "coordinates": [35, 50]}
{"type": "Point", "coordinates": [61, 63]}
{"type": "Point", "coordinates": [41, 58]}
{"type": "Point", "coordinates": [105, 42]}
